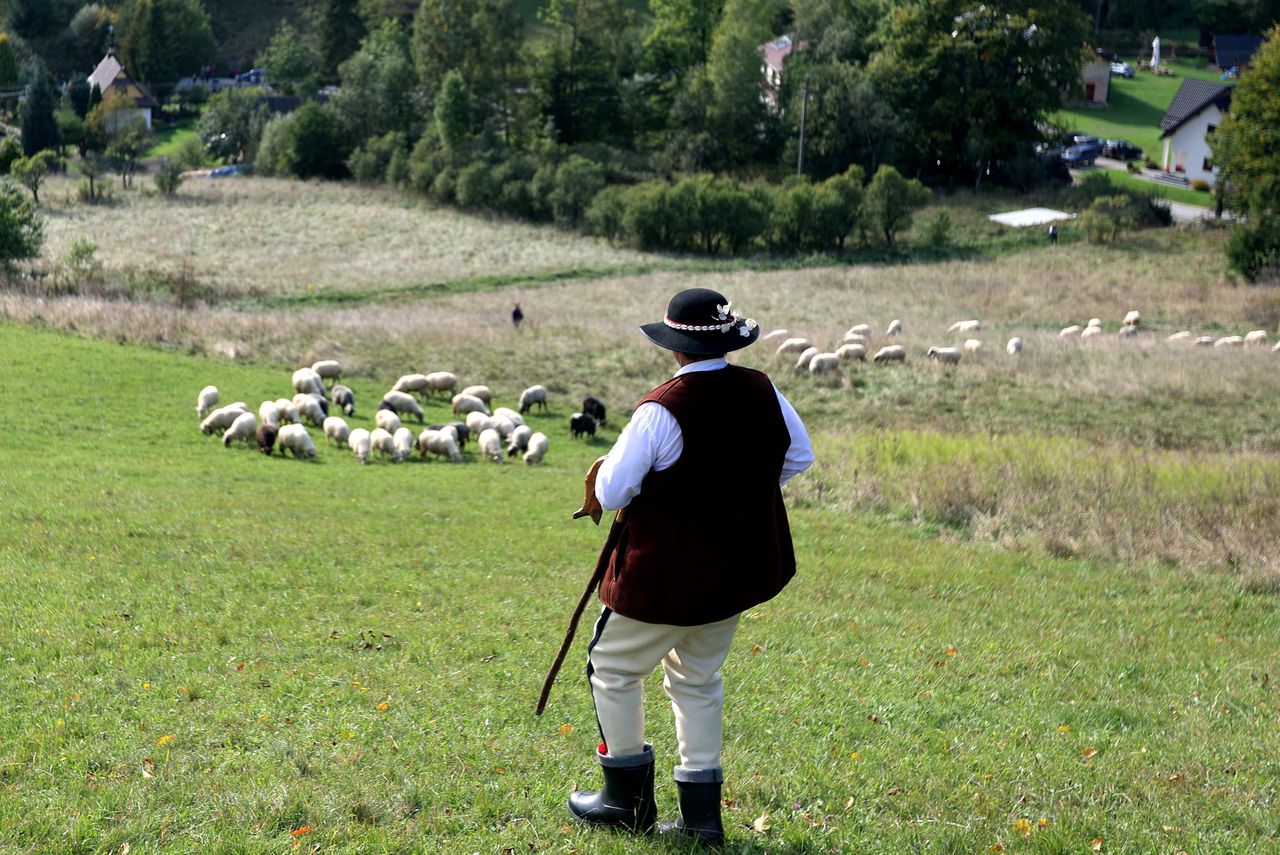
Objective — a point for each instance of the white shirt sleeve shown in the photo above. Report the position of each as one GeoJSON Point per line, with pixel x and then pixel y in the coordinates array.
{"type": "Point", "coordinates": [799, 455]}
{"type": "Point", "coordinates": [650, 441]}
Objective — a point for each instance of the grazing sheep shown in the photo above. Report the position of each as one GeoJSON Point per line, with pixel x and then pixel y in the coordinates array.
{"type": "Point", "coordinates": [463, 404]}
{"type": "Point", "coordinates": [824, 363]}
{"type": "Point", "coordinates": [891, 353]}
{"type": "Point", "coordinates": [344, 398]}
{"type": "Point", "coordinates": [594, 407]}
{"type": "Point", "coordinates": [1094, 322]}
{"type": "Point", "coordinates": [1257, 338]}
{"type": "Point", "coordinates": [386, 419]}
{"type": "Point", "coordinates": [791, 345]}
{"type": "Point", "coordinates": [854, 352]}
{"type": "Point", "coordinates": [490, 445]}
{"type": "Point", "coordinates": [307, 381]}
{"type": "Point", "coordinates": [360, 442]}
{"type": "Point", "coordinates": [1068, 332]}
{"type": "Point", "coordinates": [288, 412]}
{"type": "Point", "coordinates": [222, 418]}
{"type": "Point", "coordinates": [1275, 348]}
{"type": "Point", "coordinates": [1230, 341]}
{"type": "Point", "coordinates": [965, 326]}
{"type": "Point", "coordinates": [442, 381]}
{"type": "Point", "coordinates": [382, 440]}
{"type": "Point", "coordinates": [477, 422]}
{"type": "Point", "coordinates": [402, 402]}
{"type": "Point", "coordinates": [1091, 331]}
{"type": "Point", "coordinates": [860, 329]}
{"type": "Point", "coordinates": [411, 383]}
{"type": "Point", "coordinates": [206, 401]}
{"type": "Point", "coordinates": [895, 327]}
{"type": "Point", "coordinates": [440, 443]}
{"type": "Point", "coordinates": [504, 426]}
{"type": "Point", "coordinates": [244, 428]}
{"type": "Point", "coordinates": [1128, 331]}
{"type": "Point", "coordinates": [403, 442]}
{"type": "Point", "coordinates": [266, 436]}
{"type": "Point", "coordinates": [519, 440]}
{"type": "Point", "coordinates": [328, 369]}
{"type": "Point", "coordinates": [294, 438]}
{"type": "Point", "coordinates": [945, 355]}
{"type": "Point", "coordinates": [1014, 346]}
{"type": "Point", "coordinates": [537, 448]}
{"type": "Point", "coordinates": [269, 413]}
{"type": "Point", "coordinates": [484, 393]}
{"type": "Point", "coordinates": [775, 335]}
{"type": "Point", "coordinates": [803, 362]}
{"type": "Point", "coordinates": [580, 423]}
{"type": "Point", "coordinates": [1204, 341]}
{"type": "Point", "coordinates": [309, 408]}
{"type": "Point", "coordinates": [855, 338]}
{"type": "Point", "coordinates": [337, 429]}
{"type": "Point", "coordinates": [973, 346]}
{"type": "Point", "coordinates": [462, 431]}
{"type": "Point", "coordinates": [533, 395]}
{"type": "Point", "coordinates": [1184, 335]}
{"type": "Point", "coordinates": [1133, 318]}
{"type": "Point", "coordinates": [508, 414]}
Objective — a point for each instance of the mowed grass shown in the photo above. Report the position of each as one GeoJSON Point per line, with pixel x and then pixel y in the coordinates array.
{"type": "Point", "coordinates": [207, 650]}
{"type": "Point", "coordinates": [1203, 198]}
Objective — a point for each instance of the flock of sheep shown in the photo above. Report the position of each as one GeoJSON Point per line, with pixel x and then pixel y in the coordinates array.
{"type": "Point", "coordinates": [853, 347]}
{"type": "Point", "coordinates": [317, 389]}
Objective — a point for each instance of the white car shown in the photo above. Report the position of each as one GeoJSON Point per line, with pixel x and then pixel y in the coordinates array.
{"type": "Point", "coordinates": [1122, 69]}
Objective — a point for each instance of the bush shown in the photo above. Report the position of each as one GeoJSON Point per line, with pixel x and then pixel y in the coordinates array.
{"type": "Point", "coordinates": [168, 176]}
{"type": "Point", "coordinates": [541, 186]}
{"type": "Point", "coordinates": [315, 143]}
{"type": "Point", "coordinates": [273, 148]}
{"type": "Point", "coordinates": [476, 188]}
{"type": "Point", "coordinates": [370, 162]}
{"type": "Point", "coordinates": [1253, 250]}
{"type": "Point", "coordinates": [577, 181]}
{"type": "Point", "coordinates": [607, 213]}
{"type": "Point", "coordinates": [1133, 167]}
{"type": "Point", "coordinates": [1108, 217]}
{"type": "Point", "coordinates": [891, 200]}
{"type": "Point", "coordinates": [191, 153]}
{"type": "Point", "coordinates": [443, 185]}
{"type": "Point", "coordinates": [1200, 184]}
{"type": "Point", "coordinates": [937, 230]}
{"type": "Point", "coordinates": [426, 161]}
{"type": "Point", "coordinates": [10, 150]}
{"type": "Point", "coordinates": [21, 228]}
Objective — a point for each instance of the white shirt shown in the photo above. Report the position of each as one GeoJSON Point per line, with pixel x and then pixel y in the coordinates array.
{"type": "Point", "coordinates": [652, 441]}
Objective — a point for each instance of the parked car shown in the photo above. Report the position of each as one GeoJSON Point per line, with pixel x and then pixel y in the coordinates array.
{"type": "Point", "coordinates": [1121, 150]}
{"type": "Point", "coordinates": [1122, 69]}
{"type": "Point", "coordinates": [1081, 155]}
{"type": "Point", "coordinates": [1085, 139]}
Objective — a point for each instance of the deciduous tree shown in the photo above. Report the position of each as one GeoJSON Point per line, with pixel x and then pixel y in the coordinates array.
{"type": "Point", "coordinates": [891, 200]}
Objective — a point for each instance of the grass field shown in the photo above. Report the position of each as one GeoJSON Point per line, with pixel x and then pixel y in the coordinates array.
{"type": "Point", "coordinates": [1203, 198]}
{"type": "Point", "coordinates": [1036, 607]}
{"type": "Point", "coordinates": [169, 139]}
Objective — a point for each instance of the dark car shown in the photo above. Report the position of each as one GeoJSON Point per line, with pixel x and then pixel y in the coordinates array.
{"type": "Point", "coordinates": [1081, 155]}
{"type": "Point", "coordinates": [1084, 139]}
{"type": "Point", "coordinates": [1121, 150]}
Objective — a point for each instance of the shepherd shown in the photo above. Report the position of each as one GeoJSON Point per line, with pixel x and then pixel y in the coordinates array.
{"type": "Point", "coordinates": [703, 537]}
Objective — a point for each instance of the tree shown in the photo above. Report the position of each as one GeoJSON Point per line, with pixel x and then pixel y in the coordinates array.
{"type": "Point", "coordinates": [441, 32]}
{"type": "Point", "coordinates": [847, 121]}
{"type": "Point", "coordinates": [71, 129]}
{"type": "Point", "coordinates": [232, 124]}
{"type": "Point", "coordinates": [850, 196]}
{"type": "Point", "coordinates": [578, 180]}
{"type": "Point", "coordinates": [316, 148]}
{"type": "Point", "coordinates": [164, 40]}
{"type": "Point", "coordinates": [1248, 161]}
{"type": "Point", "coordinates": [128, 139]}
{"type": "Point", "coordinates": [340, 32]}
{"type": "Point", "coordinates": [453, 116]}
{"type": "Point", "coordinates": [31, 171]}
{"type": "Point", "coordinates": [92, 165]}
{"type": "Point", "coordinates": [678, 41]}
{"type": "Point", "coordinates": [289, 62]}
{"type": "Point", "coordinates": [39, 127]}
{"type": "Point", "coordinates": [89, 29]}
{"type": "Point", "coordinates": [168, 176]}
{"type": "Point", "coordinates": [742, 127]}
{"type": "Point", "coordinates": [379, 86]}
{"type": "Point", "coordinates": [8, 63]}
{"type": "Point", "coordinates": [21, 228]}
{"type": "Point", "coordinates": [891, 201]}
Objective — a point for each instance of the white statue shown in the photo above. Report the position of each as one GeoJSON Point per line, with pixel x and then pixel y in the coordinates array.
{"type": "Point", "coordinates": [1155, 52]}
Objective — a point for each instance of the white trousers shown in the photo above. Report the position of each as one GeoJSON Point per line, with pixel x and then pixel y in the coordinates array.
{"type": "Point", "coordinates": [624, 652]}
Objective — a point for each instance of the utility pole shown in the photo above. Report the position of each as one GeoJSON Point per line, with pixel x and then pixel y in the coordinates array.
{"type": "Point", "coordinates": [804, 115]}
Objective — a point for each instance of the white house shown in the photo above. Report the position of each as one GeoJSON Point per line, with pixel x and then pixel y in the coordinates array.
{"type": "Point", "coordinates": [1188, 126]}
{"type": "Point", "coordinates": [773, 56]}
{"type": "Point", "coordinates": [110, 75]}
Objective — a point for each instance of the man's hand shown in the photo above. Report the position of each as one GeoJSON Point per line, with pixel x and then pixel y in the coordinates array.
{"type": "Point", "coordinates": [590, 504]}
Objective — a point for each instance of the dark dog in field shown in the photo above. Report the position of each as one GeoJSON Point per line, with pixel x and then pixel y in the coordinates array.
{"type": "Point", "coordinates": [594, 407]}
{"type": "Point", "coordinates": [580, 423]}
{"type": "Point", "coordinates": [266, 435]}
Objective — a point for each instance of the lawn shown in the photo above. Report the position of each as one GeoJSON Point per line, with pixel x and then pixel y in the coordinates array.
{"type": "Point", "coordinates": [1203, 198]}
{"type": "Point", "coordinates": [212, 651]}
{"type": "Point", "coordinates": [169, 139]}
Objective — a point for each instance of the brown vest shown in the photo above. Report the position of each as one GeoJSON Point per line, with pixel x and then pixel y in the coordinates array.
{"type": "Point", "coordinates": [708, 537]}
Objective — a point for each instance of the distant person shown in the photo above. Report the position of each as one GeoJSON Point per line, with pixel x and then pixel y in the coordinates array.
{"type": "Point", "coordinates": [1053, 234]}
{"type": "Point", "coordinates": [517, 316]}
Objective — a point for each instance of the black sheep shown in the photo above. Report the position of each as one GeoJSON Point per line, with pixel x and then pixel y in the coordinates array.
{"type": "Point", "coordinates": [266, 435]}
{"type": "Point", "coordinates": [580, 423]}
{"type": "Point", "coordinates": [344, 398]}
{"type": "Point", "coordinates": [594, 407]}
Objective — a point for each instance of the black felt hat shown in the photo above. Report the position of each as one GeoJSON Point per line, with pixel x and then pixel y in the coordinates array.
{"type": "Point", "coordinates": [701, 322]}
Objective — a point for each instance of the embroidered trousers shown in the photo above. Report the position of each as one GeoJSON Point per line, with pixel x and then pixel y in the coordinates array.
{"type": "Point", "coordinates": [624, 652]}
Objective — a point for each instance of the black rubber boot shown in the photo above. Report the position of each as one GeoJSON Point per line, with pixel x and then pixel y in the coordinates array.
{"type": "Point", "coordinates": [625, 800]}
{"type": "Point", "coordinates": [699, 813]}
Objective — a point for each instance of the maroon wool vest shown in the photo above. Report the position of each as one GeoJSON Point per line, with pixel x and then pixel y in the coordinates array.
{"type": "Point", "coordinates": [708, 537]}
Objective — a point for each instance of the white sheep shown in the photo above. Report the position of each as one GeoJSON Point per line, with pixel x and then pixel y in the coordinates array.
{"type": "Point", "coordinates": [533, 395]}
{"type": "Point", "coordinates": [296, 439]}
{"type": "Point", "coordinates": [803, 362]}
{"type": "Point", "coordinates": [1275, 348]}
{"type": "Point", "coordinates": [1256, 338]}
{"type": "Point", "coordinates": [484, 393]}
{"type": "Point", "coordinates": [1133, 318]}
{"type": "Point", "coordinates": [468, 404]}
{"type": "Point", "coordinates": [206, 401]}
{"type": "Point", "coordinates": [244, 428]}
{"type": "Point", "coordinates": [508, 413]}
{"type": "Point", "coordinates": [1183, 335]}
{"type": "Point", "coordinates": [1128, 331]}
{"type": "Point", "coordinates": [855, 338]}
{"type": "Point", "coordinates": [852, 352]}
{"type": "Point", "coordinates": [337, 429]}
{"type": "Point", "coordinates": [223, 417]}
{"type": "Point", "coordinates": [288, 412]}
{"type": "Point", "coordinates": [1091, 331]}
{"type": "Point", "coordinates": [973, 346]}
{"type": "Point", "coordinates": [1204, 341]}
{"type": "Point", "coordinates": [860, 329]}
{"type": "Point", "coordinates": [965, 327]}
{"type": "Point", "coordinates": [360, 443]}
{"type": "Point", "coordinates": [478, 422]}
{"type": "Point", "coordinates": [309, 408]}
{"type": "Point", "coordinates": [490, 445]}
{"type": "Point", "coordinates": [504, 426]}
{"type": "Point", "coordinates": [382, 441]}
{"type": "Point", "coordinates": [269, 413]}
{"type": "Point", "coordinates": [945, 355]}
{"type": "Point", "coordinates": [1230, 341]}
{"type": "Point", "coordinates": [519, 440]}
{"type": "Point", "coordinates": [387, 420]}
{"type": "Point", "coordinates": [824, 363]}
{"type": "Point", "coordinates": [895, 327]}
{"type": "Point", "coordinates": [441, 443]}
{"type": "Point", "coordinates": [775, 335]}
{"type": "Point", "coordinates": [403, 442]}
{"type": "Point", "coordinates": [307, 381]}
{"type": "Point", "coordinates": [442, 381]}
{"type": "Point", "coordinates": [537, 448]}
{"type": "Point", "coordinates": [411, 383]}
{"type": "Point", "coordinates": [1094, 322]}
{"type": "Point", "coordinates": [403, 402]}
{"type": "Point", "coordinates": [328, 369]}
{"type": "Point", "coordinates": [891, 353]}
{"type": "Point", "coordinates": [1014, 346]}
{"type": "Point", "coordinates": [791, 345]}
{"type": "Point", "coordinates": [1068, 332]}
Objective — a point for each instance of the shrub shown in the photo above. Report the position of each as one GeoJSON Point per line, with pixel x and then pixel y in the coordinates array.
{"type": "Point", "coordinates": [891, 201]}
{"type": "Point", "coordinates": [191, 153]}
{"type": "Point", "coordinates": [541, 186]}
{"type": "Point", "coordinates": [315, 143]}
{"type": "Point", "coordinates": [1108, 217]}
{"type": "Point", "coordinates": [21, 228]}
{"type": "Point", "coordinates": [273, 149]}
{"type": "Point", "coordinates": [937, 230]}
{"type": "Point", "coordinates": [426, 162]}
{"type": "Point", "coordinates": [475, 187]}
{"type": "Point", "coordinates": [398, 167]}
{"type": "Point", "coordinates": [10, 150]}
{"type": "Point", "coordinates": [607, 213]}
{"type": "Point", "coordinates": [168, 176]}
{"type": "Point", "coordinates": [1253, 250]}
{"type": "Point", "coordinates": [1133, 167]}
{"type": "Point", "coordinates": [31, 171]}
{"type": "Point", "coordinates": [442, 186]}
{"type": "Point", "coordinates": [1200, 184]}
{"type": "Point", "coordinates": [577, 181]}
{"type": "Point", "coordinates": [369, 163]}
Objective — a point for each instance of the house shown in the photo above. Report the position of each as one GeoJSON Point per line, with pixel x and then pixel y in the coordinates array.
{"type": "Point", "coordinates": [1095, 78]}
{"type": "Point", "coordinates": [110, 76]}
{"type": "Point", "coordinates": [1233, 50]}
{"type": "Point", "coordinates": [1188, 126]}
{"type": "Point", "coordinates": [774, 55]}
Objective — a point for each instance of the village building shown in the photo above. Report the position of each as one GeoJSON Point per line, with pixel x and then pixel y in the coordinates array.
{"type": "Point", "coordinates": [110, 76]}
{"type": "Point", "coordinates": [774, 56]}
{"type": "Point", "coordinates": [1095, 80]}
{"type": "Point", "coordinates": [1188, 127]}
{"type": "Point", "coordinates": [1233, 50]}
